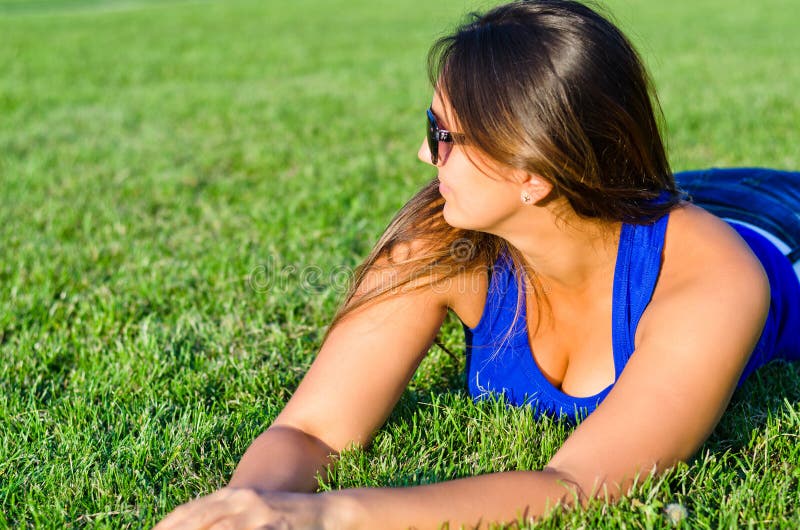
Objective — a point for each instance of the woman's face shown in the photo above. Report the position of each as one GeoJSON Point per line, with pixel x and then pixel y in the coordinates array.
{"type": "Point", "coordinates": [480, 194]}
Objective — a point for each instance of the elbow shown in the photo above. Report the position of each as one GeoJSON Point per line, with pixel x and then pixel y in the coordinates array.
{"type": "Point", "coordinates": [306, 437]}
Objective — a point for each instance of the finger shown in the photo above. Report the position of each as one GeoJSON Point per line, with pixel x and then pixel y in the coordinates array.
{"type": "Point", "coordinates": [277, 525]}
{"type": "Point", "coordinates": [198, 514]}
{"type": "Point", "coordinates": [177, 514]}
{"type": "Point", "coordinates": [240, 521]}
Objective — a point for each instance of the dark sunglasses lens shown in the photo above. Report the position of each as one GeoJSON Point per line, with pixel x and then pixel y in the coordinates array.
{"type": "Point", "coordinates": [433, 141]}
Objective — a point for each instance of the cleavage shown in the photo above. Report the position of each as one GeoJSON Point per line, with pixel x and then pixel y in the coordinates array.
{"type": "Point", "coordinates": [573, 348]}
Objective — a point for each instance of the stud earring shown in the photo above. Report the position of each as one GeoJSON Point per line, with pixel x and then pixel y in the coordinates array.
{"type": "Point", "coordinates": [526, 197]}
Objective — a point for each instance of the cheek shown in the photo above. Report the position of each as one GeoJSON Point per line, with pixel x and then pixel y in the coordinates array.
{"type": "Point", "coordinates": [474, 200]}
{"type": "Point", "coordinates": [481, 208]}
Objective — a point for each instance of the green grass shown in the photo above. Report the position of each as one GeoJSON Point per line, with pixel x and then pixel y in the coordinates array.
{"type": "Point", "coordinates": [156, 158]}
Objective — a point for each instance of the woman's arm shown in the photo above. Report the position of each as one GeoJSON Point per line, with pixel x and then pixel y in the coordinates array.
{"type": "Point", "coordinates": [673, 391]}
{"type": "Point", "coordinates": [473, 502]}
{"type": "Point", "coordinates": [283, 458]}
{"type": "Point", "coordinates": [348, 392]}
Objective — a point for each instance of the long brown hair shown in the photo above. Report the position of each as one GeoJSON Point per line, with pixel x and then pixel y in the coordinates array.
{"type": "Point", "coordinates": [550, 87]}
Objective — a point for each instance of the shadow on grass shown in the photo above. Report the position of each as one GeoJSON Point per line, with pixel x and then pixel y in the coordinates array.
{"type": "Point", "coordinates": [761, 397]}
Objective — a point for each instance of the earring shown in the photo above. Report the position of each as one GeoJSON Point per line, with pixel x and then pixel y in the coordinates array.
{"type": "Point", "coordinates": [526, 197]}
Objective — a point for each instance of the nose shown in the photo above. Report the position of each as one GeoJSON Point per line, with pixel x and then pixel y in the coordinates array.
{"type": "Point", "coordinates": [424, 153]}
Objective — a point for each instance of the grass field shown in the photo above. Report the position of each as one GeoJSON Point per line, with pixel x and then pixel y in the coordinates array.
{"type": "Point", "coordinates": [184, 186]}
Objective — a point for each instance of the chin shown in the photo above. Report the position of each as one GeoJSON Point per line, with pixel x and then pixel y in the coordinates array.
{"type": "Point", "coordinates": [448, 216]}
{"type": "Point", "coordinates": [454, 220]}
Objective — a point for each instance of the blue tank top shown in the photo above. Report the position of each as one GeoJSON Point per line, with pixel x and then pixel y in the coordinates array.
{"type": "Point", "coordinates": [499, 358]}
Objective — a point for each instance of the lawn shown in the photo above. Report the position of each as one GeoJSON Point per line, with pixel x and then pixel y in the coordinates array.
{"type": "Point", "coordinates": [184, 188]}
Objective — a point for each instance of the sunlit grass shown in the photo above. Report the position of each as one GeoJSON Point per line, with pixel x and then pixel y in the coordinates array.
{"type": "Point", "coordinates": [184, 187]}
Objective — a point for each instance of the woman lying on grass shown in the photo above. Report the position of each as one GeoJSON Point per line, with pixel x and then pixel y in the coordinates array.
{"type": "Point", "coordinates": [588, 285]}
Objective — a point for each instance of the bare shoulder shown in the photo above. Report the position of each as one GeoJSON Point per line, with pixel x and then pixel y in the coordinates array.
{"type": "Point", "coordinates": [695, 236]}
{"type": "Point", "coordinates": [703, 257]}
{"type": "Point", "coordinates": [697, 240]}
{"type": "Point", "coordinates": [466, 294]}
{"type": "Point", "coordinates": [463, 292]}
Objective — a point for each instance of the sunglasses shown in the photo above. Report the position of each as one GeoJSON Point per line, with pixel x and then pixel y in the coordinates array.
{"type": "Point", "coordinates": [439, 140]}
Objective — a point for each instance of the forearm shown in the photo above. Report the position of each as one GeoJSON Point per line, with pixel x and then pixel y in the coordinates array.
{"type": "Point", "coordinates": [282, 459]}
{"type": "Point", "coordinates": [473, 502]}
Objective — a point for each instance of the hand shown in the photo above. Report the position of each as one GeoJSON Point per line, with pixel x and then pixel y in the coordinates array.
{"type": "Point", "coordinates": [241, 508]}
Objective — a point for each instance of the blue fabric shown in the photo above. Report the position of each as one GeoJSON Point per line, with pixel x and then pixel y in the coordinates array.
{"type": "Point", "coordinates": [766, 198]}
{"type": "Point", "coordinates": [781, 335]}
{"type": "Point", "coordinates": [499, 359]}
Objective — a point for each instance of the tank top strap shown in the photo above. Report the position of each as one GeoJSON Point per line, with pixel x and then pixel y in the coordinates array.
{"type": "Point", "coordinates": [635, 275]}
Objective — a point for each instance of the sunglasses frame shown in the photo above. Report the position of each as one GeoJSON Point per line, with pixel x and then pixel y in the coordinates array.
{"type": "Point", "coordinates": [436, 135]}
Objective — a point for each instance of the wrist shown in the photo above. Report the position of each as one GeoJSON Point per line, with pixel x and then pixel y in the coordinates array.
{"type": "Point", "coordinates": [340, 510]}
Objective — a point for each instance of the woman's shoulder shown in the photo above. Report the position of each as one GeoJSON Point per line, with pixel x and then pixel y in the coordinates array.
{"type": "Point", "coordinates": [702, 254]}
{"type": "Point", "coordinates": [697, 242]}
{"type": "Point", "coordinates": [467, 292]}
{"type": "Point", "coordinates": [462, 291]}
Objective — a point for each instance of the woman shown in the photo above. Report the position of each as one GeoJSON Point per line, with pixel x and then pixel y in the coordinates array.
{"type": "Point", "coordinates": [557, 233]}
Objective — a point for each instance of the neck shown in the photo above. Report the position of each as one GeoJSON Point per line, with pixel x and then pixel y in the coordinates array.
{"type": "Point", "coordinates": [570, 256]}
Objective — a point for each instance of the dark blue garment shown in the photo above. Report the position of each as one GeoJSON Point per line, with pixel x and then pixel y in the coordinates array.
{"type": "Point", "coordinates": [766, 198]}
{"type": "Point", "coordinates": [499, 359]}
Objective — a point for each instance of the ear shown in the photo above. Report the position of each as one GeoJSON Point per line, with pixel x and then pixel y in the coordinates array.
{"type": "Point", "coordinates": [536, 186]}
